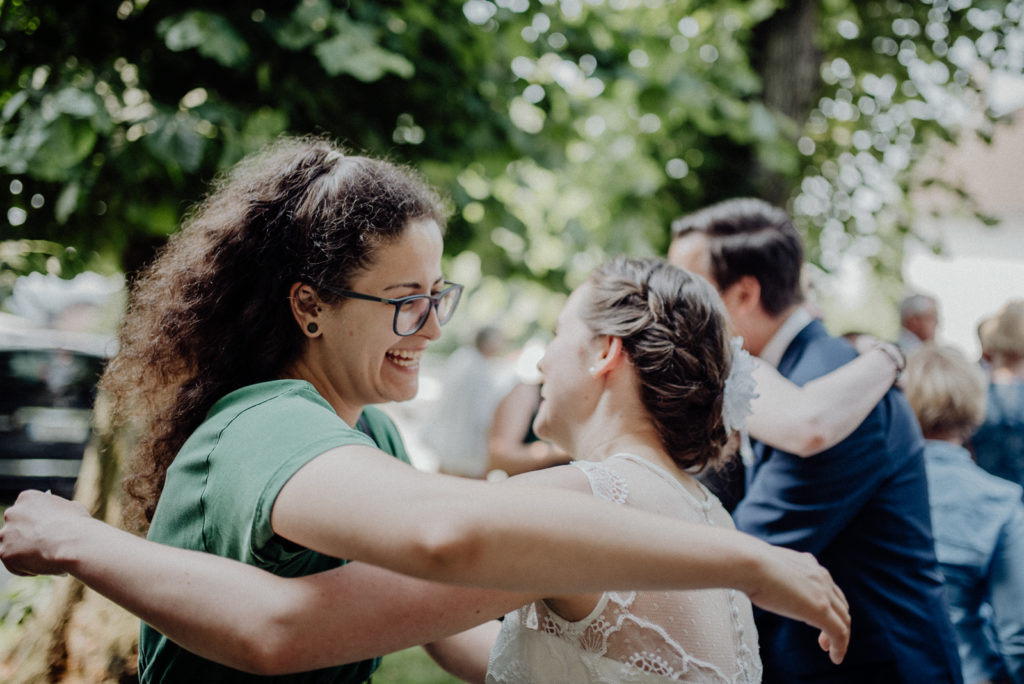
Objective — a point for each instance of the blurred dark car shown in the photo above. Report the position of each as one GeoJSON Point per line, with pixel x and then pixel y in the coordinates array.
{"type": "Point", "coordinates": [47, 389]}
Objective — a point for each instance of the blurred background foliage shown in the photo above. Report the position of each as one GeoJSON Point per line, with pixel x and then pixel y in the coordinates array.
{"type": "Point", "coordinates": [562, 130]}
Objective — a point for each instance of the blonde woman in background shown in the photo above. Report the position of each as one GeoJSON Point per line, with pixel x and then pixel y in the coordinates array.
{"type": "Point", "coordinates": [998, 444]}
{"type": "Point", "coordinates": [977, 519]}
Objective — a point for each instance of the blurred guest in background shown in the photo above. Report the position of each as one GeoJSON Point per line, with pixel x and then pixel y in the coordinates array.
{"type": "Point", "coordinates": [474, 380]}
{"type": "Point", "coordinates": [512, 445]}
{"type": "Point", "coordinates": [984, 334]}
{"type": "Point", "coordinates": [977, 518]}
{"type": "Point", "coordinates": [919, 317]}
{"type": "Point", "coordinates": [999, 443]}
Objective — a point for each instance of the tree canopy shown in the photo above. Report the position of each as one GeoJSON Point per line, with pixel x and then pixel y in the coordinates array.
{"type": "Point", "coordinates": [563, 130]}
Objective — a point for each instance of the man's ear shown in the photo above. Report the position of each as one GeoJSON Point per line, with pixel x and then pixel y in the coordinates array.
{"type": "Point", "coordinates": [611, 354]}
{"type": "Point", "coordinates": [743, 296]}
{"type": "Point", "coordinates": [306, 307]}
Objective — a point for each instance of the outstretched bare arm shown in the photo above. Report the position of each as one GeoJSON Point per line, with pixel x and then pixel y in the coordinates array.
{"type": "Point", "coordinates": [256, 621]}
{"type": "Point", "coordinates": [809, 419]}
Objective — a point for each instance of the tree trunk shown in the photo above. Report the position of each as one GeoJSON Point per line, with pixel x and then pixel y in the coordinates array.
{"type": "Point", "coordinates": [79, 636]}
{"type": "Point", "coordinates": [789, 61]}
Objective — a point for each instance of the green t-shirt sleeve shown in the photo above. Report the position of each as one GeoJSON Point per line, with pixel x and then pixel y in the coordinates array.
{"type": "Point", "coordinates": [221, 490]}
{"type": "Point", "coordinates": [383, 431]}
{"type": "Point", "coordinates": [312, 429]}
{"type": "Point", "coordinates": [256, 452]}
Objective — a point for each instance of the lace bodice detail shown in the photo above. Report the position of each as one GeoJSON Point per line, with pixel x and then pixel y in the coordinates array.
{"type": "Point", "coordinates": [705, 637]}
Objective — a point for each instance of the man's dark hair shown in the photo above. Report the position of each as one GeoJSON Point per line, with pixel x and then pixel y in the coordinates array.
{"type": "Point", "coordinates": [749, 237]}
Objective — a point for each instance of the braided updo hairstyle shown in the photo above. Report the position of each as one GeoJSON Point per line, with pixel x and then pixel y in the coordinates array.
{"type": "Point", "coordinates": [673, 328]}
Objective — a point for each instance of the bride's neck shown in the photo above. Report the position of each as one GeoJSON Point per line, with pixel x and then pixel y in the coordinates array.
{"type": "Point", "coordinates": [619, 423]}
{"type": "Point", "coordinates": [610, 433]}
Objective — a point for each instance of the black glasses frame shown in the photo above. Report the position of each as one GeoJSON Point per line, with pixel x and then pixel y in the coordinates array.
{"type": "Point", "coordinates": [435, 301]}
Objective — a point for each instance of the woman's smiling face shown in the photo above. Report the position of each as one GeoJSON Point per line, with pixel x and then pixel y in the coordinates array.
{"type": "Point", "coordinates": [360, 356]}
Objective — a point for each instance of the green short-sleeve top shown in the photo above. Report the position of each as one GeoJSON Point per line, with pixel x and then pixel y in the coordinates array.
{"type": "Point", "coordinates": [219, 494]}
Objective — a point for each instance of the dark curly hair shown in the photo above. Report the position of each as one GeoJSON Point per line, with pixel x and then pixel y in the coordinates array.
{"type": "Point", "coordinates": [673, 328]}
{"type": "Point", "coordinates": [211, 314]}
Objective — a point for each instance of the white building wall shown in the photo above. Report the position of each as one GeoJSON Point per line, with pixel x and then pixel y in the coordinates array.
{"type": "Point", "coordinates": [982, 266]}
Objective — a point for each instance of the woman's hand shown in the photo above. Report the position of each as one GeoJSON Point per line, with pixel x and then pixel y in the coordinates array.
{"type": "Point", "coordinates": [35, 529]}
{"type": "Point", "coordinates": [796, 586]}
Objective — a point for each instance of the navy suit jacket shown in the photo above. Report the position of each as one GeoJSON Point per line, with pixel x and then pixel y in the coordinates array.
{"type": "Point", "coordinates": [861, 508]}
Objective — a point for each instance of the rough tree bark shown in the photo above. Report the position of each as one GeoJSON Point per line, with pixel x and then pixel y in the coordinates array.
{"type": "Point", "coordinates": [788, 59]}
{"type": "Point", "coordinates": [79, 637]}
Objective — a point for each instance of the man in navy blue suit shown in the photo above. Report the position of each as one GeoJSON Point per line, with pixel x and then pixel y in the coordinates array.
{"type": "Point", "coordinates": [860, 507]}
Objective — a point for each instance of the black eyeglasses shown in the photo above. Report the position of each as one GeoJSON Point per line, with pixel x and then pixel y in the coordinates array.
{"type": "Point", "coordinates": [413, 311]}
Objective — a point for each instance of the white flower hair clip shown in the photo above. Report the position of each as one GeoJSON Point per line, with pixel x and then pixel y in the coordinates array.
{"type": "Point", "coordinates": [739, 388]}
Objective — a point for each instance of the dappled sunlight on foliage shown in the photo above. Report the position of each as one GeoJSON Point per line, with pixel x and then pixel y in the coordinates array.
{"type": "Point", "coordinates": [563, 130]}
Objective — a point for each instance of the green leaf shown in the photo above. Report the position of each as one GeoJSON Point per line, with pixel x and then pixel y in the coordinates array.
{"type": "Point", "coordinates": [77, 103]}
{"type": "Point", "coordinates": [65, 143]}
{"type": "Point", "coordinates": [83, 104]}
{"type": "Point", "coordinates": [158, 218]}
{"type": "Point", "coordinates": [13, 104]}
{"type": "Point", "coordinates": [305, 26]}
{"type": "Point", "coordinates": [177, 143]}
{"type": "Point", "coordinates": [762, 123]}
{"type": "Point", "coordinates": [67, 202]}
{"type": "Point", "coordinates": [315, 14]}
{"type": "Point", "coordinates": [208, 33]}
{"type": "Point", "coordinates": [295, 36]}
{"type": "Point", "coordinates": [352, 54]}
{"type": "Point", "coordinates": [263, 126]}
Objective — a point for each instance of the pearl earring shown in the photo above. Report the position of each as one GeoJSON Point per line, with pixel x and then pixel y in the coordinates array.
{"type": "Point", "coordinates": [593, 370]}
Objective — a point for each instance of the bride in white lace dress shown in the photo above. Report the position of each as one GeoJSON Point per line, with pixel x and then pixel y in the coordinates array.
{"type": "Point", "coordinates": [682, 636]}
{"type": "Point", "coordinates": [634, 383]}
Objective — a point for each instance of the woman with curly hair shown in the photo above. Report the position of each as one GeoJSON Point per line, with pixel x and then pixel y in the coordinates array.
{"type": "Point", "coordinates": [302, 291]}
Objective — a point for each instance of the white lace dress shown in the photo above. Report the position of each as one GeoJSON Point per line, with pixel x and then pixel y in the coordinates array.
{"type": "Point", "coordinates": [705, 636]}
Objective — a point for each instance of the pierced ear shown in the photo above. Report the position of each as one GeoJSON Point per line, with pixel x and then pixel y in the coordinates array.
{"type": "Point", "coordinates": [612, 354]}
{"type": "Point", "coordinates": [306, 306]}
